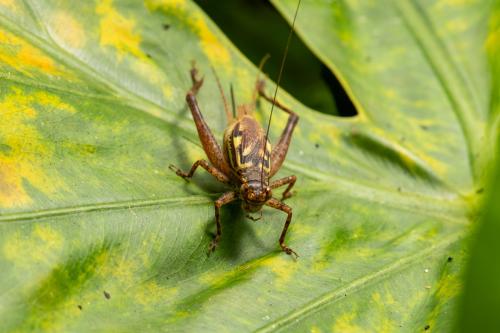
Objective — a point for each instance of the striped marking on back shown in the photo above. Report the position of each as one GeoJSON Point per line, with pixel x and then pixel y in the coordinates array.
{"type": "Point", "coordinates": [243, 143]}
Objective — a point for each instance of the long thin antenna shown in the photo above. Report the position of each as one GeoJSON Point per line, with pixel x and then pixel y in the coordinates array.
{"type": "Point", "coordinates": [233, 102]}
{"type": "Point", "coordinates": [278, 82]}
{"type": "Point", "coordinates": [226, 106]}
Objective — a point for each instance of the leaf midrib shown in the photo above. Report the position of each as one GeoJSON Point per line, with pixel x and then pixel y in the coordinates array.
{"type": "Point", "coordinates": [451, 211]}
{"type": "Point", "coordinates": [149, 107]}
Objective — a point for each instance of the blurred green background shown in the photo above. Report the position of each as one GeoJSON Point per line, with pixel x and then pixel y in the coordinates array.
{"type": "Point", "coordinates": [480, 310]}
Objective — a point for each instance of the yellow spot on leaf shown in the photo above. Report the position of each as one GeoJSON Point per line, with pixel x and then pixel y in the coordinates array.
{"type": "Point", "coordinates": [23, 57]}
{"type": "Point", "coordinates": [117, 31]}
{"type": "Point", "coordinates": [315, 329]}
{"type": "Point", "coordinates": [40, 247]}
{"type": "Point", "coordinates": [148, 70]}
{"type": "Point", "coordinates": [151, 292]}
{"type": "Point", "coordinates": [458, 2]}
{"type": "Point", "coordinates": [8, 3]}
{"type": "Point", "coordinates": [493, 42]}
{"type": "Point", "coordinates": [211, 44]}
{"type": "Point", "coordinates": [167, 92]}
{"type": "Point", "coordinates": [22, 151]}
{"type": "Point", "coordinates": [449, 287]}
{"type": "Point", "coordinates": [67, 30]}
{"type": "Point", "coordinates": [283, 267]}
{"type": "Point", "coordinates": [377, 298]}
{"type": "Point", "coordinates": [344, 324]}
{"type": "Point", "coordinates": [165, 4]}
{"type": "Point", "coordinates": [408, 161]}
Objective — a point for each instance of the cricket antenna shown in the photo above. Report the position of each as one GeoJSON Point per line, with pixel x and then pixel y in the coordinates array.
{"type": "Point", "coordinates": [233, 103]}
{"type": "Point", "coordinates": [278, 83]}
{"type": "Point", "coordinates": [226, 107]}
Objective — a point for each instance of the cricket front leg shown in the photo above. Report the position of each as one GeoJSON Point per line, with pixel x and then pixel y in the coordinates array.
{"type": "Point", "coordinates": [204, 164]}
{"type": "Point", "coordinates": [207, 139]}
{"type": "Point", "coordinates": [279, 151]}
{"type": "Point", "coordinates": [224, 199]}
{"type": "Point", "coordinates": [290, 180]}
{"type": "Point", "coordinates": [287, 209]}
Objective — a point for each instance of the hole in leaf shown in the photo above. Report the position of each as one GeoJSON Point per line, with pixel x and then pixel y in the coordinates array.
{"type": "Point", "coordinates": [257, 29]}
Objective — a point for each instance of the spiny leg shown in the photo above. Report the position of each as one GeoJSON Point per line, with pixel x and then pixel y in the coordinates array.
{"type": "Point", "coordinates": [279, 151]}
{"type": "Point", "coordinates": [220, 176]}
{"type": "Point", "coordinates": [223, 199]}
{"type": "Point", "coordinates": [196, 83]}
{"type": "Point", "coordinates": [290, 180]}
{"type": "Point", "coordinates": [207, 139]}
{"type": "Point", "coordinates": [287, 209]}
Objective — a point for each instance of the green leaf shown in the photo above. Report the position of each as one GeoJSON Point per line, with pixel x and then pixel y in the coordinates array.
{"type": "Point", "coordinates": [481, 298]}
{"type": "Point", "coordinates": [96, 234]}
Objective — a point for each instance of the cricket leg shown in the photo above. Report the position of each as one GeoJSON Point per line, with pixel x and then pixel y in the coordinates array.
{"type": "Point", "coordinates": [223, 199]}
{"type": "Point", "coordinates": [279, 151]}
{"type": "Point", "coordinates": [204, 164]}
{"type": "Point", "coordinates": [196, 83]}
{"type": "Point", "coordinates": [287, 209]}
{"type": "Point", "coordinates": [290, 180]}
{"type": "Point", "coordinates": [210, 145]}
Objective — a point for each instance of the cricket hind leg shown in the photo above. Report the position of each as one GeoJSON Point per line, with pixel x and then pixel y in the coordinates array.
{"type": "Point", "coordinates": [223, 199]}
{"type": "Point", "coordinates": [278, 153]}
{"type": "Point", "coordinates": [275, 203]}
{"type": "Point", "coordinates": [207, 139]}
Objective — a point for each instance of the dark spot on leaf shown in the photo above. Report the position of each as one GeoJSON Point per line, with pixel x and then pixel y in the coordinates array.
{"type": "Point", "coordinates": [480, 190]}
{"type": "Point", "coordinates": [107, 295]}
{"type": "Point", "coordinates": [148, 55]}
{"type": "Point", "coordinates": [316, 145]}
{"type": "Point", "coordinates": [425, 128]}
{"type": "Point", "coordinates": [80, 307]}
{"type": "Point", "coordinates": [88, 149]}
{"type": "Point", "coordinates": [427, 327]}
{"type": "Point", "coordinates": [5, 148]}
{"type": "Point", "coordinates": [399, 189]}
{"type": "Point", "coordinates": [166, 26]}
{"type": "Point", "coordinates": [450, 259]}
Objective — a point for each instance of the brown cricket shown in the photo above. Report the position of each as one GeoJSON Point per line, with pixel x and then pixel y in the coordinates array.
{"type": "Point", "coordinates": [247, 162]}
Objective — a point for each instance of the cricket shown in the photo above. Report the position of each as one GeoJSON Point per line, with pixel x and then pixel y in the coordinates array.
{"type": "Point", "coordinates": [247, 161]}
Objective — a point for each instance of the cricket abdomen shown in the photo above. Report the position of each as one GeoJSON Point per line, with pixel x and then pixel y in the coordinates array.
{"type": "Point", "coordinates": [246, 152]}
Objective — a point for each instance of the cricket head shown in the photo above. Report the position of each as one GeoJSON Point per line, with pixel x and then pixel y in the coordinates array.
{"type": "Point", "coordinates": [254, 195]}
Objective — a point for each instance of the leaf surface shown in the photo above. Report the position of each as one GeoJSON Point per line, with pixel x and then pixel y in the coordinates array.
{"type": "Point", "coordinates": [98, 235]}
